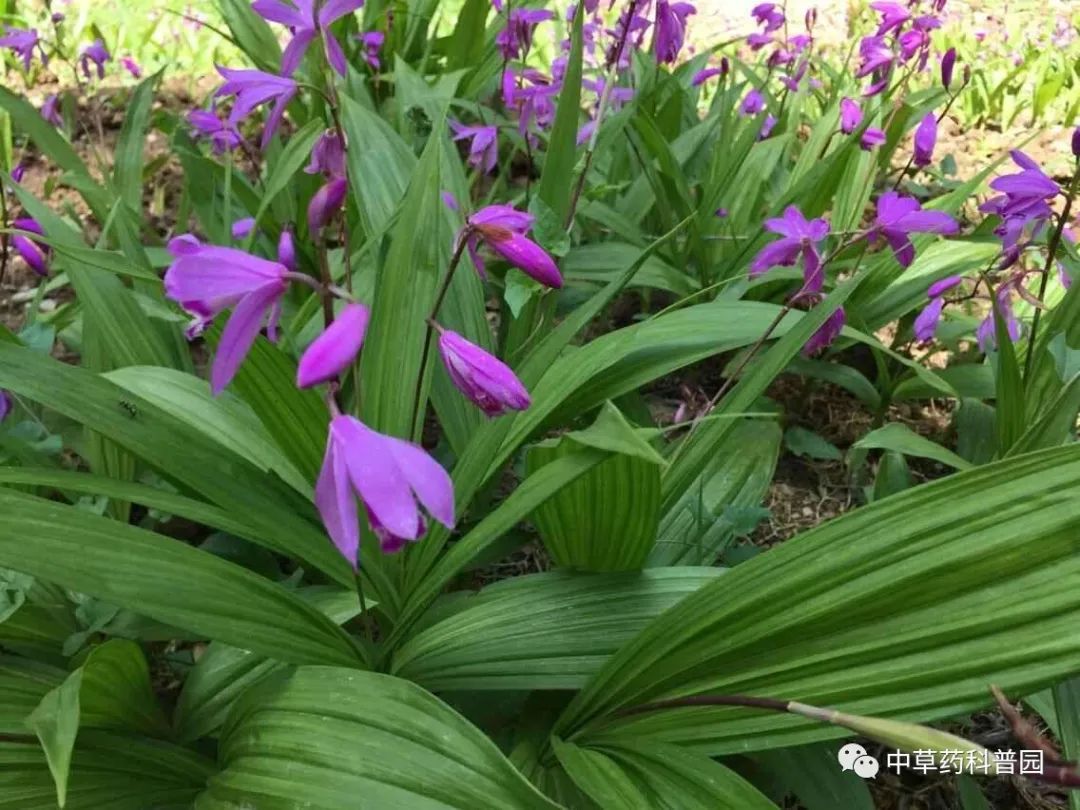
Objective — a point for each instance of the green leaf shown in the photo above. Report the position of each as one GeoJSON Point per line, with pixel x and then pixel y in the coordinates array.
{"type": "Point", "coordinates": [405, 290]}
{"type": "Point", "coordinates": [698, 526]}
{"type": "Point", "coordinates": [349, 734]}
{"type": "Point", "coordinates": [1009, 388]}
{"type": "Point", "coordinates": [252, 33]}
{"type": "Point", "coordinates": [284, 520]}
{"type": "Point", "coordinates": [108, 770]}
{"type": "Point", "coordinates": [128, 157]}
{"type": "Point", "coordinates": [1067, 709]}
{"type": "Point", "coordinates": [906, 609]}
{"type": "Point", "coordinates": [803, 442]}
{"type": "Point", "coordinates": [45, 136]}
{"type": "Point", "coordinates": [542, 631]}
{"type": "Point", "coordinates": [519, 289]}
{"type": "Point", "coordinates": [23, 684]}
{"type": "Point", "coordinates": [812, 774]}
{"type": "Point", "coordinates": [902, 439]}
{"type": "Point", "coordinates": [466, 46]}
{"type": "Point", "coordinates": [110, 690]}
{"type": "Point", "coordinates": [605, 520]}
{"type": "Point", "coordinates": [136, 569]}
{"type": "Point", "coordinates": [296, 153]}
{"type": "Point", "coordinates": [548, 229]}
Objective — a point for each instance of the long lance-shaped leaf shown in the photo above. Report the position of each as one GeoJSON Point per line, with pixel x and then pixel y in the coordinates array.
{"type": "Point", "coordinates": [358, 739]}
{"type": "Point", "coordinates": [165, 580]}
{"type": "Point", "coordinates": [273, 510]}
{"type": "Point", "coordinates": [908, 608]}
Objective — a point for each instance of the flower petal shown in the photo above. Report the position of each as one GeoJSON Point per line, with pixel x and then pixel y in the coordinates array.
{"type": "Point", "coordinates": [379, 480]}
{"type": "Point", "coordinates": [427, 478]}
{"type": "Point", "coordinates": [335, 349]}
{"type": "Point", "coordinates": [240, 333]}
{"type": "Point", "coordinates": [337, 505]}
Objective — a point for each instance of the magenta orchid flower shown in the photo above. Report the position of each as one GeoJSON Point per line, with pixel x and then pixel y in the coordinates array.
{"type": "Point", "coordinates": [335, 349]}
{"type": "Point", "coordinates": [669, 32]}
{"type": "Point", "coordinates": [223, 136]}
{"type": "Point", "coordinates": [242, 228]}
{"type": "Point", "coordinates": [393, 478]}
{"type": "Point", "coordinates": [485, 380]}
{"type": "Point", "coordinates": [33, 252]}
{"type": "Point", "coordinates": [703, 76]}
{"type": "Point", "coordinates": [300, 18]}
{"type": "Point", "coordinates": [503, 228]}
{"type": "Point", "coordinates": [5, 404]}
{"type": "Point", "coordinates": [252, 88]}
{"type": "Point", "coordinates": [131, 66]}
{"type": "Point", "coordinates": [768, 15]}
{"type": "Point", "coordinates": [948, 63]}
{"type": "Point", "coordinates": [851, 116]}
{"type": "Point", "coordinates": [893, 16]}
{"type": "Point", "coordinates": [18, 172]}
{"type": "Point", "coordinates": [926, 323]}
{"type": "Point", "coordinates": [826, 333]}
{"type": "Point", "coordinates": [95, 53]}
{"type": "Point", "coordinates": [50, 110]}
{"type": "Point", "coordinates": [372, 42]}
{"type": "Point", "coordinates": [327, 156]}
{"type": "Point", "coordinates": [801, 239]}
{"type": "Point", "coordinates": [872, 138]}
{"type": "Point", "coordinates": [22, 42]}
{"type": "Point", "coordinates": [326, 203]}
{"type": "Point", "coordinates": [1024, 193]}
{"type": "Point", "coordinates": [767, 127]}
{"type": "Point", "coordinates": [925, 140]}
{"type": "Point", "coordinates": [898, 217]}
{"type": "Point", "coordinates": [753, 103]}
{"type": "Point", "coordinates": [484, 148]}
{"type": "Point", "coordinates": [206, 279]}
{"type": "Point", "coordinates": [516, 37]}
{"type": "Point", "coordinates": [986, 333]}
{"type": "Point", "coordinates": [286, 251]}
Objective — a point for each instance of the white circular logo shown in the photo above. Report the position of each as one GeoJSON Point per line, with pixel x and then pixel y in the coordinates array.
{"type": "Point", "coordinates": [866, 767]}
{"type": "Point", "coordinates": [848, 754]}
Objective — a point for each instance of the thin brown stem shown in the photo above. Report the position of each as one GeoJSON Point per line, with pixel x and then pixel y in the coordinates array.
{"type": "Point", "coordinates": [455, 260]}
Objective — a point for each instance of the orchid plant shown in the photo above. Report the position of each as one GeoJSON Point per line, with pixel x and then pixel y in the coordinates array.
{"type": "Point", "coordinates": [250, 537]}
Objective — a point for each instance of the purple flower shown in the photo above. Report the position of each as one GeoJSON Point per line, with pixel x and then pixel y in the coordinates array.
{"type": "Point", "coordinates": [893, 16]}
{"type": "Point", "coordinates": [1076, 142]}
{"type": "Point", "coordinates": [242, 228]}
{"type": "Point", "coordinates": [872, 138]}
{"type": "Point", "coordinates": [801, 238]}
{"type": "Point", "coordinates": [484, 379]}
{"type": "Point", "coordinates": [768, 15]}
{"type": "Point", "coordinates": [948, 62]}
{"type": "Point", "coordinates": [925, 139]}
{"type": "Point", "coordinates": [326, 203]}
{"type": "Point", "coordinates": [986, 334]}
{"type": "Point", "coordinates": [18, 172]}
{"type": "Point", "coordinates": [753, 103]}
{"type": "Point", "coordinates": [300, 19]}
{"type": "Point", "coordinates": [335, 349]}
{"type": "Point", "coordinates": [97, 53]}
{"type": "Point", "coordinates": [826, 333]}
{"type": "Point", "coordinates": [1023, 194]}
{"type": "Point", "coordinates": [327, 156]}
{"type": "Point", "coordinates": [23, 42]}
{"type": "Point", "coordinates": [372, 42]}
{"type": "Point", "coordinates": [5, 404]}
{"type": "Point", "coordinates": [758, 41]}
{"type": "Point", "coordinates": [535, 101]}
{"type": "Point", "coordinates": [850, 116]}
{"type": "Point", "coordinates": [33, 252]}
{"type": "Point", "coordinates": [703, 76]}
{"type": "Point", "coordinates": [286, 251]}
{"type": "Point", "coordinates": [206, 279]}
{"type": "Point", "coordinates": [252, 88]}
{"type": "Point", "coordinates": [669, 31]}
{"type": "Point", "coordinates": [899, 216]}
{"type": "Point", "coordinates": [503, 229]}
{"type": "Point", "coordinates": [50, 110]}
{"type": "Point", "coordinates": [131, 66]}
{"type": "Point", "coordinates": [484, 149]}
{"type": "Point", "coordinates": [767, 127]}
{"type": "Point", "coordinates": [224, 137]}
{"type": "Point", "coordinates": [516, 37]}
{"type": "Point", "coordinates": [926, 322]}
{"type": "Point", "coordinates": [876, 56]}
{"type": "Point", "coordinates": [390, 476]}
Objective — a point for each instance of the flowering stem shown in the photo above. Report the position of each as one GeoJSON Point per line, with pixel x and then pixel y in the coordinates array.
{"type": "Point", "coordinates": [455, 260]}
{"type": "Point", "coordinates": [369, 627]}
{"type": "Point", "coordinates": [605, 96]}
{"type": "Point", "coordinates": [1051, 254]}
{"type": "Point", "coordinates": [3, 235]}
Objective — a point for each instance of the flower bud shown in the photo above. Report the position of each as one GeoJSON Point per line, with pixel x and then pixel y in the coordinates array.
{"type": "Point", "coordinates": [948, 62]}
{"type": "Point", "coordinates": [286, 251]}
{"type": "Point", "coordinates": [242, 228]}
{"type": "Point", "coordinates": [484, 379]}
{"type": "Point", "coordinates": [1076, 142]}
{"type": "Point", "coordinates": [5, 404]}
{"type": "Point", "coordinates": [326, 203]}
{"type": "Point", "coordinates": [335, 349]}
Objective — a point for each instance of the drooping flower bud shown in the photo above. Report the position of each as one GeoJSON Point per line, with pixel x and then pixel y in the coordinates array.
{"type": "Point", "coordinates": [925, 140]}
{"type": "Point", "coordinates": [484, 379]}
{"type": "Point", "coordinates": [286, 251]}
{"type": "Point", "coordinates": [948, 62]}
{"type": "Point", "coordinates": [335, 349]}
{"type": "Point", "coordinates": [242, 228]}
{"type": "Point", "coordinates": [326, 203]}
